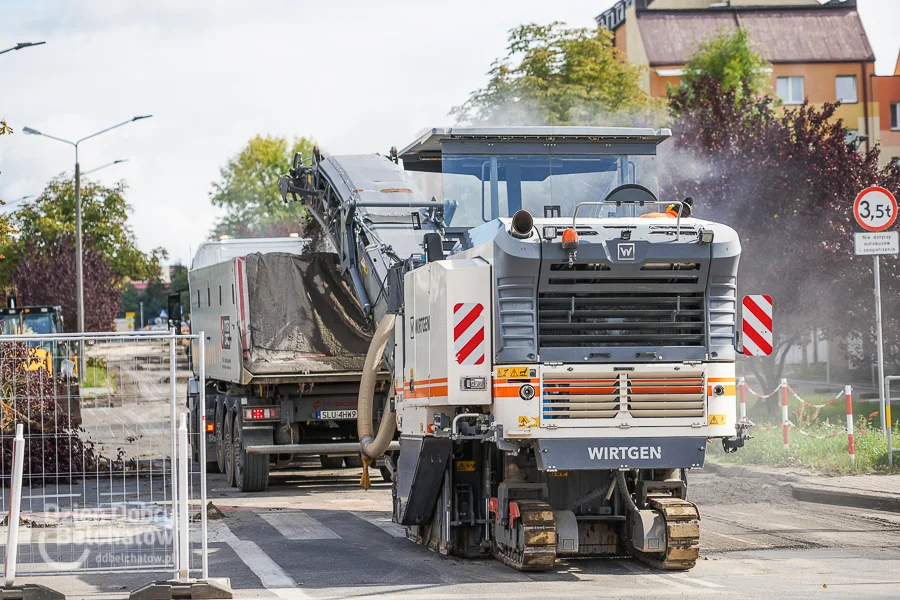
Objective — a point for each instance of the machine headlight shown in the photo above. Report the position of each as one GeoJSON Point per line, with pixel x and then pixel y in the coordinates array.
{"type": "Point", "coordinates": [706, 236]}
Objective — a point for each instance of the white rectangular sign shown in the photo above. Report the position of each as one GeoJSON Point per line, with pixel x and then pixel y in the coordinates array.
{"type": "Point", "coordinates": [885, 242]}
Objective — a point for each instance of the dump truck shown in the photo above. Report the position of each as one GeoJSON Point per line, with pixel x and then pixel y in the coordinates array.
{"type": "Point", "coordinates": [561, 342]}
{"type": "Point", "coordinates": [283, 349]}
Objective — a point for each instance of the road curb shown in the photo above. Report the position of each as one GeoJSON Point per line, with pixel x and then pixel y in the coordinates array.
{"type": "Point", "coordinates": [841, 498]}
{"type": "Point", "coordinates": [805, 493]}
{"type": "Point", "coordinates": [739, 471]}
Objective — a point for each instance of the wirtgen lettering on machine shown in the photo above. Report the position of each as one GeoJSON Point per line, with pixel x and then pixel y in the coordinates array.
{"type": "Point", "coordinates": [602, 322]}
{"type": "Point", "coordinates": [632, 452]}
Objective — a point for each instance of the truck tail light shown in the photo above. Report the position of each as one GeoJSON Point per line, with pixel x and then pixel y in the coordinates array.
{"type": "Point", "coordinates": [260, 414]}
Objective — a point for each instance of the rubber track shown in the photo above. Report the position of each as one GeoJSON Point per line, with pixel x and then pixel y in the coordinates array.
{"type": "Point", "coordinates": [682, 535]}
{"type": "Point", "coordinates": [539, 532]}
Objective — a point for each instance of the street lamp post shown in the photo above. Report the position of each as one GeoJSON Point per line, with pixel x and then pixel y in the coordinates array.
{"type": "Point", "coordinates": [21, 45]}
{"type": "Point", "coordinates": [30, 196]}
{"type": "Point", "coordinates": [115, 162]}
{"type": "Point", "coordinates": [79, 279]}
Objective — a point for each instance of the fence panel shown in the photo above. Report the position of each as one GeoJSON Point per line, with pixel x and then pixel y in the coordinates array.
{"type": "Point", "coordinates": [100, 414]}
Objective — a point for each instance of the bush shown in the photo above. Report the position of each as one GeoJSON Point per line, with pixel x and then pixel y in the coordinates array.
{"type": "Point", "coordinates": [30, 395]}
{"type": "Point", "coordinates": [827, 455]}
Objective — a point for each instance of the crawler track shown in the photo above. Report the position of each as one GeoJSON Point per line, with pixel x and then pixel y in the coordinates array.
{"type": "Point", "coordinates": [535, 539]}
{"type": "Point", "coordinates": [682, 535]}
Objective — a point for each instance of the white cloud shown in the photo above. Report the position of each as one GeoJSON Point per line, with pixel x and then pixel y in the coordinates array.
{"type": "Point", "coordinates": [358, 76]}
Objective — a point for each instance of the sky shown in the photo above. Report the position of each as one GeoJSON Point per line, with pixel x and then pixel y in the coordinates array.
{"type": "Point", "coordinates": [357, 76]}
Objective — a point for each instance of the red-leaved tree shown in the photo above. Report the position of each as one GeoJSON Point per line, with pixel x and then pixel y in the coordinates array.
{"type": "Point", "coordinates": [785, 179]}
{"type": "Point", "coordinates": [46, 275]}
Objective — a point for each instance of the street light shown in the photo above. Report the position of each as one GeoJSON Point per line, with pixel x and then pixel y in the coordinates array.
{"type": "Point", "coordinates": [115, 162]}
{"type": "Point", "coordinates": [17, 201]}
{"type": "Point", "coordinates": [21, 45]}
{"type": "Point", "coordinates": [79, 280]}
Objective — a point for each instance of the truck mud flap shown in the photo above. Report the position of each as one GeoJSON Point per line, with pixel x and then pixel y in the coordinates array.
{"type": "Point", "coordinates": [620, 453]}
{"type": "Point", "coordinates": [423, 461]}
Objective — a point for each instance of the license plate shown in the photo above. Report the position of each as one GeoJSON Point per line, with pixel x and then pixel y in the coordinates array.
{"type": "Point", "coordinates": [335, 415]}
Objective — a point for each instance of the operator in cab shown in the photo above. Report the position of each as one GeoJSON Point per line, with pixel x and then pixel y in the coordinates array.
{"type": "Point", "coordinates": [672, 211]}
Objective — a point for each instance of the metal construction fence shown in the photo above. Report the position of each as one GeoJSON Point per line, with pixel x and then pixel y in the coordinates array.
{"type": "Point", "coordinates": [98, 483]}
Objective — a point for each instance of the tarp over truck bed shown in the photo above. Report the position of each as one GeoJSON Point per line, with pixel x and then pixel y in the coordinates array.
{"type": "Point", "coordinates": [303, 318]}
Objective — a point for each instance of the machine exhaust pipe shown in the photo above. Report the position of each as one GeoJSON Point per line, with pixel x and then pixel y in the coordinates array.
{"type": "Point", "coordinates": [373, 446]}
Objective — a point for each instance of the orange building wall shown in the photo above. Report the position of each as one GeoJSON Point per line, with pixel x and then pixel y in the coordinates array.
{"type": "Point", "coordinates": [819, 78]}
{"type": "Point", "coordinates": [659, 85]}
{"type": "Point", "coordinates": [887, 91]}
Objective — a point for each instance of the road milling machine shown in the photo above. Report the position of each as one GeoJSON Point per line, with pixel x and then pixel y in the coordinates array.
{"type": "Point", "coordinates": [562, 343]}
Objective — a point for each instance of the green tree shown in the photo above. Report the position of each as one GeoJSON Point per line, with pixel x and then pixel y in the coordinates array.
{"type": "Point", "coordinates": [178, 275]}
{"type": "Point", "coordinates": [6, 229]}
{"type": "Point", "coordinates": [105, 215]}
{"type": "Point", "coordinates": [154, 295]}
{"type": "Point", "coordinates": [729, 59]}
{"type": "Point", "coordinates": [554, 75]}
{"type": "Point", "coordinates": [248, 190]}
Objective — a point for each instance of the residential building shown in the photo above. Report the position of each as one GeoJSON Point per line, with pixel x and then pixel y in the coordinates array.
{"type": "Point", "coordinates": [818, 52]}
{"type": "Point", "coordinates": [886, 90]}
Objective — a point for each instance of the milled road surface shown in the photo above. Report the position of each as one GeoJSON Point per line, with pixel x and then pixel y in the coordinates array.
{"type": "Point", "coordinates": [315, 534]}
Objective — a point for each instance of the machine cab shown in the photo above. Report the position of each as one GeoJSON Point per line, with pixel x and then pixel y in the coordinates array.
{"type": "Point", "coordinates": [489, 173]}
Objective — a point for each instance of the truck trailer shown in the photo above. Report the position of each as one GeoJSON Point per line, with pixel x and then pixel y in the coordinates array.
{"type": "Point", "coordinates": [284, 346]}
{"type": "Point", "coordinates": [561, 342]}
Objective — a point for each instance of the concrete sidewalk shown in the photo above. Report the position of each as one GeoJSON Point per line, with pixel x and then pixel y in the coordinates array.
{"type": "Point", "coordinates": [879, 492]}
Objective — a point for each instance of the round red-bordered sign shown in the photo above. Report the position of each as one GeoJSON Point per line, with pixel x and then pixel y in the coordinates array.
{"type": "Point", "coordinates": [875, 209]}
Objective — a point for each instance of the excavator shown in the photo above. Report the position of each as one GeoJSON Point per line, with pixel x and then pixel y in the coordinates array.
{"type": "Point", "coordinates": [560, 360]}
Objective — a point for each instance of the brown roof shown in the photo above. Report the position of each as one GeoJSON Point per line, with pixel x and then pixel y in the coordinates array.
{"type": "Point", "coordinates": [780, 35]}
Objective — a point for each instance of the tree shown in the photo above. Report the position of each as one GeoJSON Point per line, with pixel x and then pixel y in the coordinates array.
{"type": "Point", "coordinates": [729, 59]}
{"type": "Point", "coordinates": [178, 275]}
{"type": "Point", "coordinates": [45, 274]}
{"type": "Point", "coordinates": [6, 229]}
{"type": "Point", "coordinates": [248, 190]}
{"type": "Point", "coordinates": [554, 75]}
{"type": "Point", "coordinates": [153, 294]}
{"type": "Point", "coordinates": [785, 180]}
{"type": "Point", "coordinates": [105, 215]}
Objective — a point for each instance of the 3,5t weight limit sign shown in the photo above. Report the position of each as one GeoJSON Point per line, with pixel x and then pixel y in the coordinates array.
{"type": "Point", "coordinates": [875, 209]}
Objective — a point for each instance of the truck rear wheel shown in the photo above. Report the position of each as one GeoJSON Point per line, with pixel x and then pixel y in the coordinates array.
{"type": "Point", "coordinates": [251, 471]}
{"type": "Point", "coordinates": [228, 451]}
{"type": "Point", "coordinates": [331, 462]}
{"type": "Point", "coordinates": [220, 445]}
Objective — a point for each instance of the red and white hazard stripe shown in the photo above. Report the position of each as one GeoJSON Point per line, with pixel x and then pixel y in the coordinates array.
{"type": "Point", "coordinates": [757, 325]}
{"type": "Point", "coordinates": [468, 333]}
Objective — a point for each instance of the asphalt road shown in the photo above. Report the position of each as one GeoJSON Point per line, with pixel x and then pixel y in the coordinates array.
{"type": "Point", "coordinates": [315, 534]}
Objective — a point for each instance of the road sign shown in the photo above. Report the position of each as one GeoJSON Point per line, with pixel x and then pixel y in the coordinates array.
{"type": "Point", "coordinates": [885, 242]}
{"type": "Point", "coordinates": [875, 209]}
{"type": "Point", "coordinates": [757, 325]}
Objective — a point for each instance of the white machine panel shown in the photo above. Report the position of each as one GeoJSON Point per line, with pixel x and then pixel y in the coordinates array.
{"type": "Point", "coordinates": [216, 303]}
{"type": "Point", "coordinates": [447, 334]}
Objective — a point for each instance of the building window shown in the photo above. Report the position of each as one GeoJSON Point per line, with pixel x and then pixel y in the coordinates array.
{"type": "Point", "coordinates": [790, 90]}
{"type": "Point", "coordinates": [895, 115]}
{"type": "Point", "coordinates": [845, 88]}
